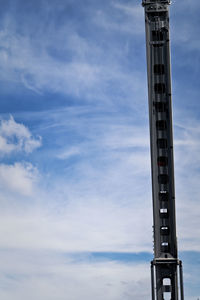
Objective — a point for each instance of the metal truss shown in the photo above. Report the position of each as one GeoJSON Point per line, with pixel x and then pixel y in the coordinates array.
{"type": "Point", "coordinates": [164, 267]}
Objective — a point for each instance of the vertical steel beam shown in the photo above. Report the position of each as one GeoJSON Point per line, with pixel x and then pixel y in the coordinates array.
{"type": "Point", "coordinates": [181, 280]}
{"type": "Point", "coordinates": [161, 139]}
{"type": "Point", "coordinates": [152, 281]}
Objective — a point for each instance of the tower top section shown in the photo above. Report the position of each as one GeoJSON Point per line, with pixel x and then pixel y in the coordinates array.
{"type": "Point", "coordinates": [148, 2]}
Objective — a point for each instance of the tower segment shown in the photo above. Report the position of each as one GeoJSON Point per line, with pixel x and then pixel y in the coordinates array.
{"type": "Point", "coordinates": [165, 263]}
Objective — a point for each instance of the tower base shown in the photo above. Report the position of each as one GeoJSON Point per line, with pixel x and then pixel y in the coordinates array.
{"type": "Point", "coordinates": [164, 274]}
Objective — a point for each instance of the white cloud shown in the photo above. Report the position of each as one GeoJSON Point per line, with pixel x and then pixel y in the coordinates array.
{"type": "Point", "coordinates": [15, 137]}
{"type": "Point", "coordinates": [96, 225]}
{"type": "Point", "coordinates": [46, 275]}
{"type": "Point", "coordinates": [90, 206]}
{"type": "Point", "coordinates": [18, 178]}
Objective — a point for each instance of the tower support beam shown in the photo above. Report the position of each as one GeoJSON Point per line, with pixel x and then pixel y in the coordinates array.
{"type": "Point", "coordinates": [164, 268]}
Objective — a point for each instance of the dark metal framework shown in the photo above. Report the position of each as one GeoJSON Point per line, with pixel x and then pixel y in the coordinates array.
{"type": "Point", "coordinates": [164, 267]}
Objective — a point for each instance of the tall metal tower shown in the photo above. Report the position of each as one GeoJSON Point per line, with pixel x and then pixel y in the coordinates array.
{"type": "Point", "coordinates": [164, 267]}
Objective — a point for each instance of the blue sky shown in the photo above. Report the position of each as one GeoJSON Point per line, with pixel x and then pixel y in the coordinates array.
{"type": "Point", "coordinates": [75, 184]}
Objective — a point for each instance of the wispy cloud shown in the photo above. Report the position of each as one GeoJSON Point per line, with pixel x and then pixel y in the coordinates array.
{"type": "Point", "coordinates": [125, 18]}
{"type": "Point", "coordinates": [82, 69]}
{"type": "Point", "coordinates": [68, 153]}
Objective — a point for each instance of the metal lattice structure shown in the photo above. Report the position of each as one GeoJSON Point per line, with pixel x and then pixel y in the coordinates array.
{"type": "Point", "coordinates": [165, 265]}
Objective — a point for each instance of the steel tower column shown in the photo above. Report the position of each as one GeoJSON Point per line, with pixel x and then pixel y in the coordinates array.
{"type": "Point", "coordinates": [164, 268]}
